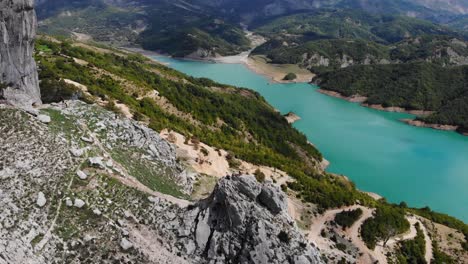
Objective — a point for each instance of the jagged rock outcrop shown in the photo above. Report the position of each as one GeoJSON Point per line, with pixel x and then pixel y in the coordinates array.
{"type": "Point", "coordinates": [51, 213]}
{"type": "Point", "coordinates": [19, 83]}
{"type": "Point", "coordinates": [244, 221]}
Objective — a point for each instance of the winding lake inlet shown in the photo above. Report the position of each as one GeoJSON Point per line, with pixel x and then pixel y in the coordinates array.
{"type": "Point", "coordinates": [421, 166]}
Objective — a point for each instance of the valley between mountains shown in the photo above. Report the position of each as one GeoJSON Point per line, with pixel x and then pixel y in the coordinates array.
{"type": "Point", "coordinates": [111, 156]}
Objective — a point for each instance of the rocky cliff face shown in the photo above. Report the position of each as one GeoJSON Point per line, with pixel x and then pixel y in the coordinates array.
{"type": "Point", "coordinates": [18, 73]}
{"type": "Point", "coordinates": [244, 221]}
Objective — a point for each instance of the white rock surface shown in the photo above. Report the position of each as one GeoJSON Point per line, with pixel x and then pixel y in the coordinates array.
{"type": "Point", "coordinates": [44, 119]}
{"type": "Point", "coordinates": [68, 202]}
{"type": "Point", "coordinates": [125, 244]}
{"type": "Point", "coordinates": [97, 212]}
{"type": "Point", "coordinates": [87, 139]}
{"type": "Point", "coordinates": [41, 200]}
{"type": "Point", "coordinates": [79, 203]}
{"type": "Point", "coordinates": [77, 152]}
{"type": "Point", "coordinates": [97, 162]}
{"type": "Point", "coordinates": [81, 174]}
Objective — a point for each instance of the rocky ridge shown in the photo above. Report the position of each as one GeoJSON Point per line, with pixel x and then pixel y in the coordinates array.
{"type": "Point", "coordinates": [244, 222]}
{"type": "Point", "coordinates": [69, 197]}
{"type": "Point", "coordinates": [19, 83]}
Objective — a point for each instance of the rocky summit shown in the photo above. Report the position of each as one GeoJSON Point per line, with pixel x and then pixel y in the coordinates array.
{"type": "Point", "coordinates": [52, 213]}
{"type": "Point", "coordinates": [19, 83]}
{"type": "Point", "coordinates": [244, 222]}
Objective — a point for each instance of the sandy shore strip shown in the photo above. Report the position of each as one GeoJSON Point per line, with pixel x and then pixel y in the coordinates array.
{"type": "Point", "coordinates": [362, 99]}
{"type": "Point", "coordinates": [374, 196]}
{"type": "Point", "coordinates": [354, 99]}
{"type": "Point", "coordinates": [259, 64]}
{"type": "Point", "coordinates": [147, 53]}
{"type": "Point", "coordinates": [277, 72]}
{"type": "Point", "coordinates": [419, 123]}
{"type": "Point", "coordinates": [398, 110]}
{"type": "Point", "coordinates": [292, 117]}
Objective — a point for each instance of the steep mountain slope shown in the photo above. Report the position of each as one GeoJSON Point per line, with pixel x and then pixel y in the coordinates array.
{"type": "Point", "coordinates": [351, 23]}
{"type": "Point", "coordinates": [341, 53]}
{"type": "Point", "coordinates": [84, 184]}
{"type": "Point", "coordinates": [454, 6]}
{"type": "Point", "coordinates": [177, 28]}
{"type": "Point", "coordinates": [69, 197]}
{"type": "Point", "coordinates": [255, 11]}
{"type": "Point", "coordinates": [224, 117]}
{"type": "Point", "coordinates": [18, 79]}
{"type": "Point", "coordinates": [183, 32]}
{"type": "Point", "coordinates": [210, 28]}
{"type": "Point", "coordinates": [460, 23]}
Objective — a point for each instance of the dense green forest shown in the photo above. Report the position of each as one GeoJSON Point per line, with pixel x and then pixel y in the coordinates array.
{"type": "Point", "coordinates": [415, 86]}
{"type": "Point", "coordinates": [333, 50]}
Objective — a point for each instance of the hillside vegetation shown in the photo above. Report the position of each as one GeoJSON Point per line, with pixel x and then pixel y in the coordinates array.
{"type": "Point", "coordinates": [394, 61]}
{"type": "Point", "coordinates": [225, 117]}
{"type": "Point", "coordinates": [235, 119]}
{"type": "Point", "coordinates": [341, 53]}
{"type": "Point", "coordinates": [340, 38]}
{"type": "Point", "coordinates": [181, 32]}
{"type": "Point", "coordinates": [351, 24]}
{"type": "Point", "coordinates": [415, 86]}
{"type": "Point", "coordinates": [162, 26]}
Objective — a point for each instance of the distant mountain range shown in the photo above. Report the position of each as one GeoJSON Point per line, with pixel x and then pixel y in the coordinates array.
{"type": "Point", "coordinates": [247, 11]}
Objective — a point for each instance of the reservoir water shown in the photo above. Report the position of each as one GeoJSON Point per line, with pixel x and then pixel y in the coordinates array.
{"type": "Point", "coordinates": [421, 166]}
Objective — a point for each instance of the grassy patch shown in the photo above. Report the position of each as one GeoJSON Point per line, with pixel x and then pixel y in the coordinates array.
{"type": "Point", "coordinates": [157, 178]}
{"type": "Point", "coordinates": [37, 239]}
{"type": "Point", "coordinates": [203, 187]}
{"type": "Point", "coordinates": [62, 124]}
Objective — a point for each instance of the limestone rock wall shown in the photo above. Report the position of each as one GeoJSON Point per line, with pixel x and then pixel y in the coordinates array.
{"type": "Point", "coordinates": [18, 72]}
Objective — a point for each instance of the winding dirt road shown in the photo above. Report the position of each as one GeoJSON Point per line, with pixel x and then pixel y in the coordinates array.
{"type": "Point", "coordinates": [367, 255]}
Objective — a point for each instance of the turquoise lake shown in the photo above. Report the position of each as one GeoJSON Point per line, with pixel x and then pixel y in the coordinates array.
{"type": "Point", "coordinates": [421, 166]}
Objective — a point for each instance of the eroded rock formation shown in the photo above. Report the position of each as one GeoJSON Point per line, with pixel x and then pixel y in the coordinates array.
{"type": "Point", "coordinates": [19, 83]}
{"type": "Point", "coordinates": [244, 221]}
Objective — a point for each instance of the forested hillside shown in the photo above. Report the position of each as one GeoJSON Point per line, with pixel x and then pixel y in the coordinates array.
{"type": "Point", "coordinates": [351, 24]}
{"type": "Point", "coordinates": [237, 120]}
{"type": "Point", "coordinates": [234, 119]}
{"type": "Point", "coordinates": [413, 86]}
{"type": "Point", "coordinates": [175, 28]}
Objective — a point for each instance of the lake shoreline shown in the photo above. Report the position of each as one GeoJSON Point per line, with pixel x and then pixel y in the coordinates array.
{"type": "Point", "coordinates": [412, 122]}
{"type": "Point", "coordinates": [292, 117]}
{"type": "Point", "coordinates": [362, 101]}
{"type": "Point", "coordinates": [275, 73]}
{"type": "Point", "coordinates": [253, 65]}
{"type": "Point", "coordinates": [321, 135]}
{"type": "Point", "coordinates": [419, 123]}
